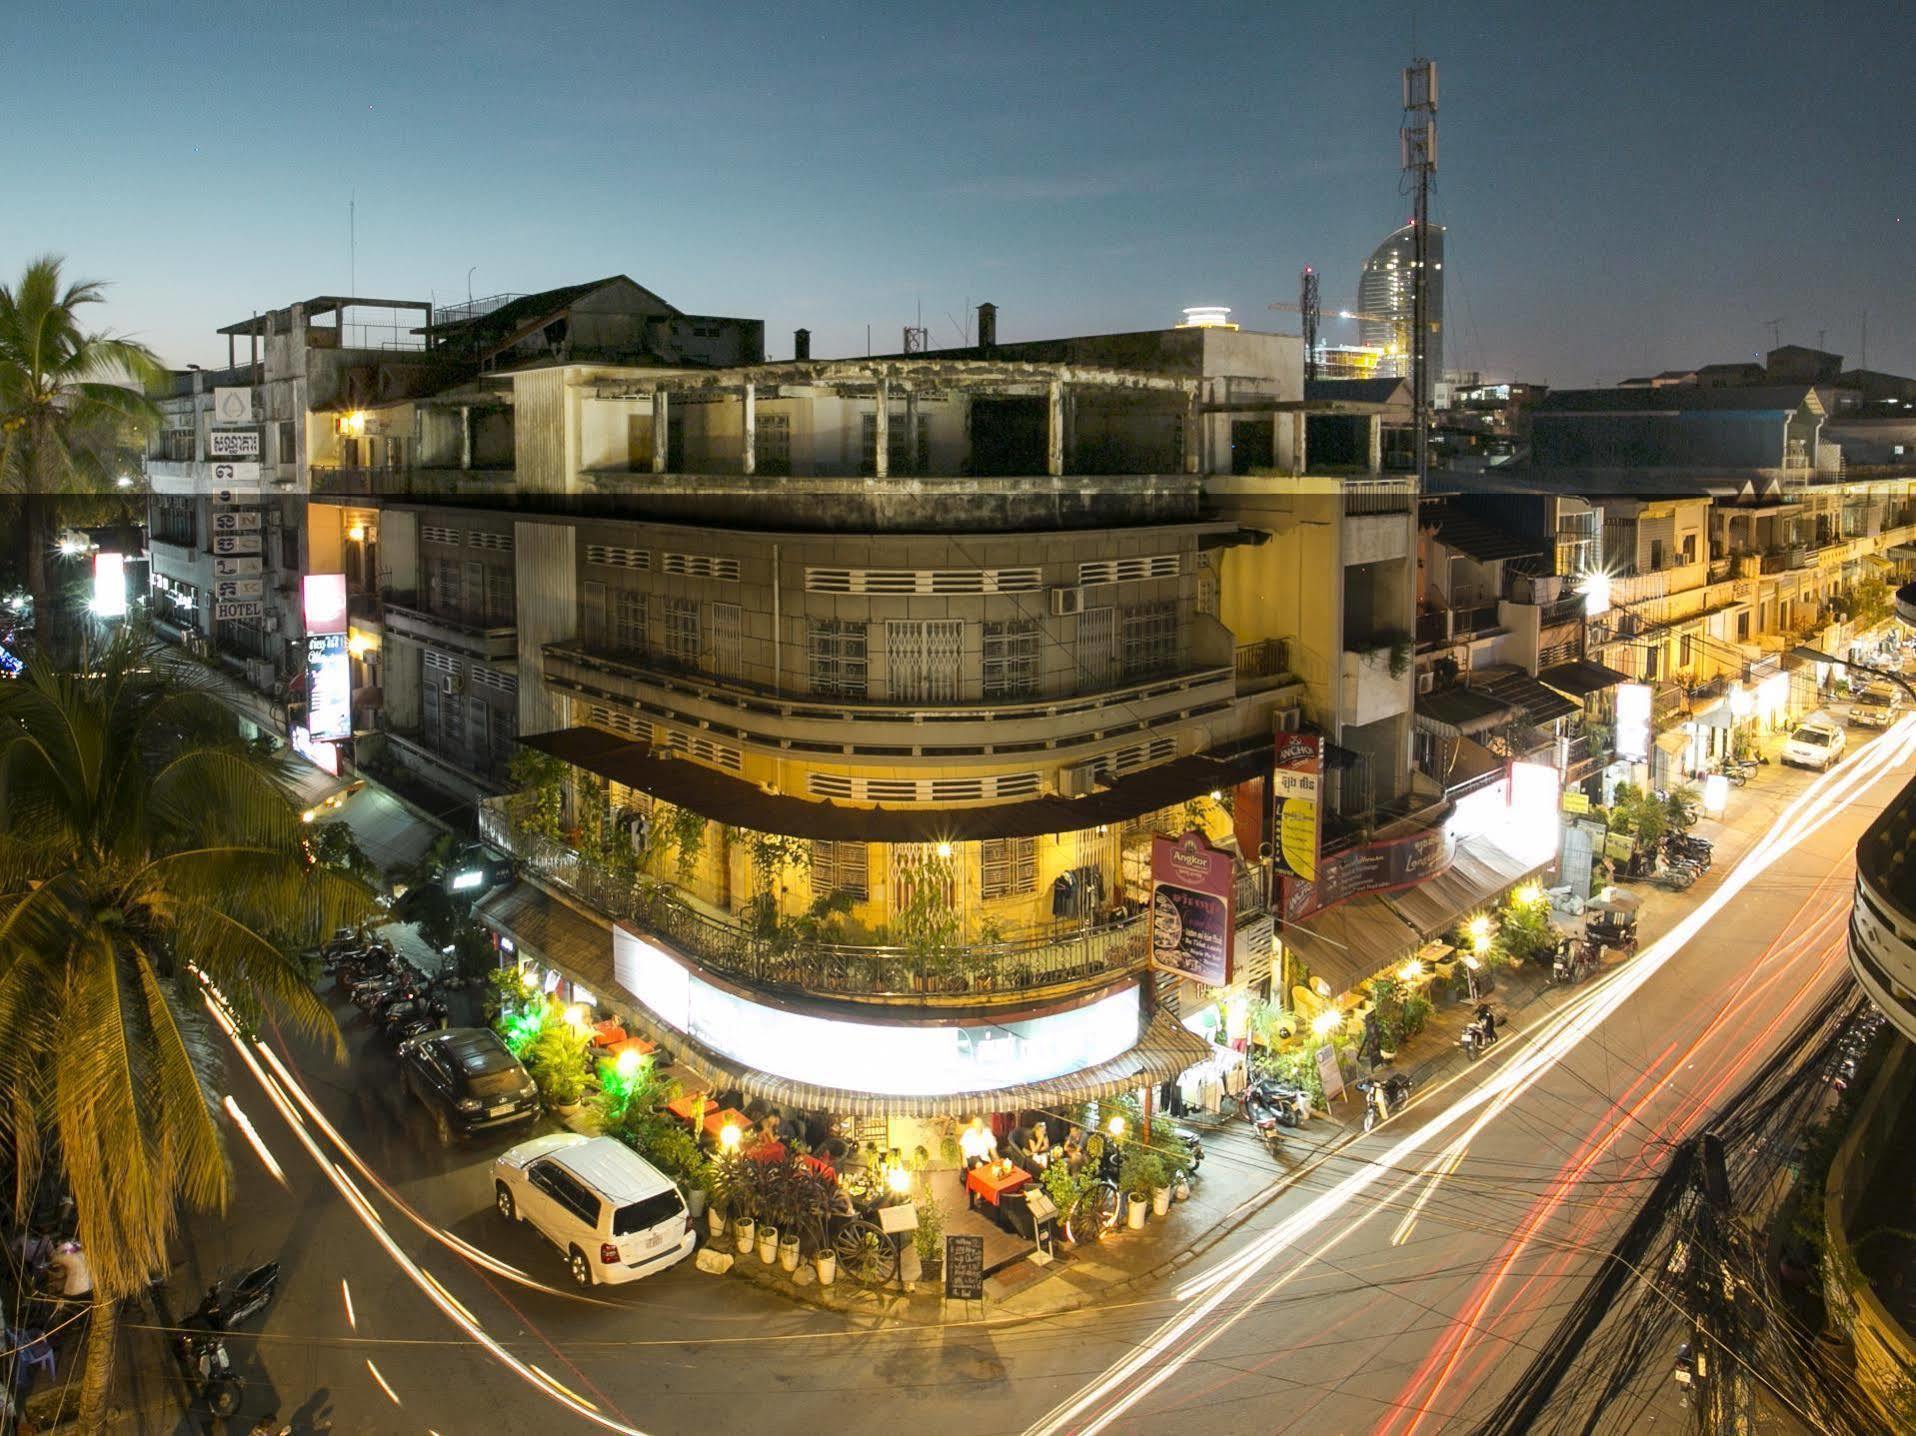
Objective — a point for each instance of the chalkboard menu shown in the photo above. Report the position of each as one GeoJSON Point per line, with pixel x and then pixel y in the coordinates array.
{"type": "Point", "coordinates": [965, 1268]}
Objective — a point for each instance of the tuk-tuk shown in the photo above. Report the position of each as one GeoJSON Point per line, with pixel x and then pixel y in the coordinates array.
{"type": "Point", "coordinates": [1610, 918]}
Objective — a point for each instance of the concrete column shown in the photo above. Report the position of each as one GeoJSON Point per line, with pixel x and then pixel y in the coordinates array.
{"type": "Point", "coordinates": [1300, 458]}
{"type": "Point", "coordinates": [911, 431]}
{"type": "Point", "coordinates": [465, 436]}
{"type": "Point", "coordinates": [1374, 445]}
{"type": "Point", "coordinates": [750, 410]}
{"type": "Point", "coordinates": [881, 455]}
{"type": "Point", "coordinates": [661, 419]}
{"type": "Point", "coordinates": [1054, 429]}
{"type": "Point", "coordinates": [1193, 434]}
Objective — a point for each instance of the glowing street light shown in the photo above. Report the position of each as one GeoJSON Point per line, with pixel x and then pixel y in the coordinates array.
{"type": "Point", "coordinates": [898, 1178]}
{"type": "Point", "coordinates": [628, 1063]}
{"type": "Point", "coordinates": [730, 1135]}
{"type": "Point", "coordinates": [1478, 931]}
{"type": "Point", "coordinates": [1327, 1022]}
{"type": "Point", "coordinates": [1115, 1127]}
{"type": "Point", "coordinates": [1411, 970]}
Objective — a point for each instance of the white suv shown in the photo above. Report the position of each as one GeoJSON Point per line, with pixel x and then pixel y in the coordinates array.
{"type": "Point", "coordinates": [614, 1215]}
{"type": "Point", "coordinates": [1814, 745]}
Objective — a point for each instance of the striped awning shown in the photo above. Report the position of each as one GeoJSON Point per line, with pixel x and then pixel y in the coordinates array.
{"type": "Point", "coordinates": [1165, 1049]}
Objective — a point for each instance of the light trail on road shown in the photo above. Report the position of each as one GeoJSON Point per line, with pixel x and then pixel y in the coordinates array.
{"type": "Point", "coordinates": [1184, 1337]}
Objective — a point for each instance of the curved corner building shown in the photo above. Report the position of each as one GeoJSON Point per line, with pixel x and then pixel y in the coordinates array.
{"type": "Point", "coordinates": [1384, 288]}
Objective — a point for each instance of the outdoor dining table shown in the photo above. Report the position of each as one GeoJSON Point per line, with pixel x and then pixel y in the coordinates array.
{"type": "Point", "coordinates": [991, 1185]}
{"type": "Point", "coordinates": [716, 1120]}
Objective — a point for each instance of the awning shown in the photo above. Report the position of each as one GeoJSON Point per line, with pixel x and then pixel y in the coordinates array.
{"type": "Point", "coordinates": [741, 804]}
{"type": "Point", "coordinates": [1463, 766]}
{"type": "Point", "coordinates": [1581, 678]}
{"type": "Point", "coordinates": [1351, 942]}
{"type": "Point", "coordinates": [1717, 715]}
{"type": "Point", "coordinates": [1459, 712]}
{"type": "Point", "coordinates": [547, 929]}
{"type": "Point", "coordinates": [1480, 871]}
{"type": "Point", "coordinates": [1673, 743]}
{"type": "Point", "coordinates": [1520, 690]}
{"type": "Point", "coordinates": [1164, 1050]}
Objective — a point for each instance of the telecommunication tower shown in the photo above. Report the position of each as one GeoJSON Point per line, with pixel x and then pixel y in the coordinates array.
{"type": "Point", "coordinates": [1307, 307]}
{"type": "Point", "coordinates": [1419, 144]}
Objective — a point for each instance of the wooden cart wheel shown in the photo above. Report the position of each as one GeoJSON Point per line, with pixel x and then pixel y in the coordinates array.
{"type": "Point", "coordinates": [865, 1253]}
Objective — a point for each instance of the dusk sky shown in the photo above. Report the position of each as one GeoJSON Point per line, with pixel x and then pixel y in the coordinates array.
{"type": "Point", "coordinates": [1627, 187]}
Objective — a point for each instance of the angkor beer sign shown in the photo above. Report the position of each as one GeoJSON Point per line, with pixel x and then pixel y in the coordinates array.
{"type": "Point", "coordinates": [1191, 909]}
{"type": "Point", "coordinates": [1295, 794]}
{"type": "Point", "coordinates": [1371, 867]}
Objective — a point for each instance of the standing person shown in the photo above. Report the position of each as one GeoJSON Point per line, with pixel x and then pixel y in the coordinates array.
{"type": "Point", "coordinates": [977, 1146]}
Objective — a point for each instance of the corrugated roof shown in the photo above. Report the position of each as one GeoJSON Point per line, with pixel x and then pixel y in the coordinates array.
{"type": "Point", "coordinates": [1675, 398]}
{"type": "Point", "coordinates": [1480, 871]}
{"type": "Point", "coordinates": [1520, 690]}
{"type": "Point", "coordinates": [740, 804]}
{"type": "Point", "coordinates": [1357, 391]}
{"type": "Point", "coordinates": [1351, 942]}
{"type": "Point", "coordinates": [1582, 677]}
{"type": "Point", "coordinates": [1460, 710]}
{"type": "Point", "coordinates": [1483, 541]}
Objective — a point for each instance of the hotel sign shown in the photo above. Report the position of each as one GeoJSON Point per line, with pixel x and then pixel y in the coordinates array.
{"type": "Point", "coordinates": [232, 443]}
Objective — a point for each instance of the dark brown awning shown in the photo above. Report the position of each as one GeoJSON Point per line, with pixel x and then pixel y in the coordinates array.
{"type": "Point", "coordinates": [1582, 677]}
{"type": "Point", "coordinates": [740, 804]}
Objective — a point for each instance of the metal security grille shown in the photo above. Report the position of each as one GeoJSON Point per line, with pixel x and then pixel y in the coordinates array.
{"type": "Point", "coordinates": [923, 580]}
{"type": "Point", "coordinates": [610, 556]}
{"type": "Point", "coordinates": [1011, 660]}
{"type": "Point", "coordinates": [837, 657]}
{"type": "Point", "coordinates": [700, 565]}
{"type": "Point", "coordinates": [1098, 646]}
{"type": "Point", "coordinates": [1150, 639]}
{"type": "Point", "coordinates": [841, 868]}
{"type": "Point", "coordinates": [629, 618]}
{"type": "Point", "coordinates": [1130, 570]}
{"type": "Point", "coordinates": [1007, 866]}
{"type": "Point", "coordinates": [728, 646]}
{"type": "Point", "coordinates": [922, 657]}
{"type": "Point", "coordinates": [916, 868]}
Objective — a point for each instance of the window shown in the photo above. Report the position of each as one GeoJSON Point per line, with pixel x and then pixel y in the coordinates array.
{"type": "Point", "coordinates": [1743, 626]}
{"type": "Point", "coordinates": [902, 457]}
{"type": "Point", "coordinates": [446, 587]}
{"type": "Point", "coordinates": [1652, 661]}
{"type": "Point", "coordinates": [1009, 866]}
{"type": "Point", "coordinates": [1150, 639]}
{"type": "Point", "coordinates": [1011, 660]}
{"type": "Point", "coordinates": [1689, 548]}
{"type": "Point", "coordinates": [774, 441]}
{"type": "Point", "coordinates": [836, 652]}
{"type": "Point", "coordinates": [176, 446]}
{"type": "Point", "coordinates": [922, 657]}
{"type": "Point", "coordinates": [499, 612]}
{"type": "Point", "coordinates": [288, 442]}
{"type": "Point", "coordinates": [728, 656]}
{"type": "Point", "coordinates": [841, 868]}
{"type": "Point", "coordinates": [681, 620]}
{"type": "Point", "coordinates": [918, 874]}
{"type": "Point", "coordinates": [1687, 651]}
{"type": "Point", "coordinates": [175, 521]}
{"type": "Point", "coordinates": [628, 622]}
{"type": "Point", "coordinates": [289, 548]}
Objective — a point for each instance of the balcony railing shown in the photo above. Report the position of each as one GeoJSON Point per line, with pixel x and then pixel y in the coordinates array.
{"type": "Point", "coordinates": [1267, 658]}
{"type": "Point", "coordinates": [345, 482]}
{"type": "Point", "coordinates": [1433, 626]}
{"type": "Point", "coordinates": [1096, 952]}
{"type": "Point", "coordinates": [1379, 496]}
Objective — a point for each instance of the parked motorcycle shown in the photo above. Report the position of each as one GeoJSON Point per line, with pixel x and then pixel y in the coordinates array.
{"type": "Point", "coordinates": [1291, 1104]}
{"type": "Point", "coordinates": [1383, 1098]}
{"type": "Point", "coordinates": [411, 1017]}
{"type": "Point", "coordinates": [1478, 1034]}
{"type": "Point", "coordinates": [210, 1370]}
{"type": "Point", "coordinates": [1681, 846]}
{"type": "Point", "coordinates": [1574, 960]}
{"type": "Point", "coordinates": [1262, 1116]}
{"type": "Point", "coordinates": [228, 1303]}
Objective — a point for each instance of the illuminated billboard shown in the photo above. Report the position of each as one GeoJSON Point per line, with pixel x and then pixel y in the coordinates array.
{"type": "Point", "coordinates": [329, 687]}
{"type": "Point", "coordinates": [109, 585]}
{"type": "Point", "coordinates": [1633, 721]}
{"type": "Point", "coordinates": [325, 602]}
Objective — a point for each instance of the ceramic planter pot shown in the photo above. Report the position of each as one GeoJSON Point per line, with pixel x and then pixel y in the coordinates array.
{"type": "Point", "coordinates": [827, 1264]}
{"type": "Point", "coordinates": [715, 1222]}
{"type": "Point", "coordinates": [788, 1253]}
{"type": "Point", "coordinates": [1135, 1208]}
{"type": "Point", "coordinates": [768, 1245]}
{"type": "Point", "coordinates": [745, 1231]}
{"type": "Point", "coordinates": [695, 1203]}
{"type": "Point", "coordinates": [1160, 1201]}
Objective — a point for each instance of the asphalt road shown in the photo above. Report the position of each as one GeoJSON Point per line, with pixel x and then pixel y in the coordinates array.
{"type": "Point", "coordinates": [1394, 1288]}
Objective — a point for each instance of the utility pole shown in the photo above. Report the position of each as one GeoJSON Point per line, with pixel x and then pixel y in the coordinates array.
{"type": "Point", "coordinates": [1776, 331]}
{"type": "Point", "coordinates": [1418, 138]}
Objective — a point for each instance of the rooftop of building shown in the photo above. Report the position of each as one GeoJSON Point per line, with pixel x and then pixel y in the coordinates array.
{"type": "Point", "coordinates": [1643, 399]}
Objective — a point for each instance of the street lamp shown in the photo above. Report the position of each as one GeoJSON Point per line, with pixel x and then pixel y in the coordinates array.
{"type": "Point", "coordinates": [1814, 655]}
{"type": "Point", "coordinates": [729, 1137]}
{"type": "Point", "coordinates": [1327, 1022]}
{"type": "Point", "coordinates": [1116, 1127]}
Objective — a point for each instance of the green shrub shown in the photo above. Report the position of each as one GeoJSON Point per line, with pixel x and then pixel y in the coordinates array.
{"type": "Point", "coordinates": [1141, 1171]}
{"type": "Point", "coordinates": [556, 1060]}
{"type": "Point", "coordinates": [930, 1234]}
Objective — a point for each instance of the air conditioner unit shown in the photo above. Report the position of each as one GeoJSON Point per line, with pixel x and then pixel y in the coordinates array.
{"type": "Point", "coordinates": [1080, 780]}
{"type": "Point", "coordinates": [1066, 601]}
{"type": "Point", "coordinates": [1426, 681]}
{"type": "Point", "coordinates": [272, 623]}
{"type": "Point", "coordinates": [452, 682]}
{"type": "Point", "coordinates": [1287, 720]}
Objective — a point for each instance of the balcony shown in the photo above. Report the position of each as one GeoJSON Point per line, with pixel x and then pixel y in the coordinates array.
{"type": "Point", "coordinates": [1005, 973]}
{"type": "Point", "coordinates": [336, 481]}
{"type": "Point", "coordinates": [471, 635]}
{"type": "Point", "coordinates": [1433, 627]}
{"type": "Point", "coordinates": [1564, 610]}
{"type": "Point", "coordinates": [1379, 496]}
{"type": "Point", "coordinates": [1370, 690]}
{"type": "Point", "coordinates": [1262, 665]}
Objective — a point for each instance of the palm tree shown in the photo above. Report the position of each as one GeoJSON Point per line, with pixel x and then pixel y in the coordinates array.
{"type": "Point", "coordinates": [146, 854]}
{"type": "Point", "coordinates": [66, 416]}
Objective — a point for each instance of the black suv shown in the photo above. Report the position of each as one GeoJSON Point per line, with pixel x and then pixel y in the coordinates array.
{"type": "Point", "coordinates": [468, 1080]}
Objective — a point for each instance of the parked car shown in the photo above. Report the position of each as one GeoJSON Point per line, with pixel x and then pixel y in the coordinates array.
{"type": "Point", "coordinates": [1875, 706]}
{"type": "Point", "coordinates": [1814, 745]}
{"type": "Point", "coordinates": [467, 1080]}
{"type": "Point", "coordinates": [614, 1215]}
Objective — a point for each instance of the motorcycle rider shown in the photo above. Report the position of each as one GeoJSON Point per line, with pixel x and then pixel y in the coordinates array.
{"type": "Point", "coordinates": [1486, 1023]}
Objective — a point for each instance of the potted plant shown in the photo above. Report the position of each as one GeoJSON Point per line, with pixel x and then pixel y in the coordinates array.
{"type": "Point", "coordinates": [929, 1238]}
{"type": "Point", "coordinates": [825, 1260]}
{"type": "Point", "coordinates": [556, 1061]}
{"type": "Point", "coordinates": [744, 1229]}
{"type": "Point", "coordinates": [1140, 1173]}
{"type": "Point", "coordinates": [1161, 1193]}
{"type": "Point", "coordinates": [768, 1244]}
{"type": "Point", "coordinates": [788, 1251]}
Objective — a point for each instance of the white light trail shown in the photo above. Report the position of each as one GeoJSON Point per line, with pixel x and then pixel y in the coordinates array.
{"type": "Point", "coordinates": [384, 1384]}
{"type": "Point", "coordinates": [258, 1143]}
{"type": "Point", "coordinates": [1183, 1337]}
{"type": "Point", "coordinates": [346, 1295]}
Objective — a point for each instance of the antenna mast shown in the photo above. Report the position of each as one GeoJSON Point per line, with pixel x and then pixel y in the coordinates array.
{"type": "Point", "coordinates": [1419, 144]}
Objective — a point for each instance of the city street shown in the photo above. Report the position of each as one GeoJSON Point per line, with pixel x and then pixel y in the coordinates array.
{"type": "Point", "coordinates": [1391, 1288]}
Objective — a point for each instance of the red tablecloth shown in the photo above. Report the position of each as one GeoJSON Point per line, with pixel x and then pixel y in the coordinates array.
{"type": "Point", "coordinates": [991, 1186]}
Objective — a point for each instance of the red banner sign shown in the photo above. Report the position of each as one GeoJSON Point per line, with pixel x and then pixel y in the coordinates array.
{"type": "Point", "coordinates": [1191, 908]}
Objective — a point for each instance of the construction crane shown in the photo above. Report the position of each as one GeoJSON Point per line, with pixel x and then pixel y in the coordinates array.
{"type": "Point", "coordinates": [1307, 306]}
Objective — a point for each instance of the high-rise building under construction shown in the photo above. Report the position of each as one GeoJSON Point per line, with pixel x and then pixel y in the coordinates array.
{"type": "Point", "coordinates": [1386, 299]}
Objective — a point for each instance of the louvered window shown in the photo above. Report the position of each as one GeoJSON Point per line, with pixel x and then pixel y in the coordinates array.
{"type": "Point", "coordinates": [700, 565]}
{"type": "Point", "coordinates": [432, 533]}
{"type": "Point", "coordinates": [923, 580]}
{"type": "Point", "coordinates": [841, 787]}
{"type": "Point", "coordinates": [497, 543]}
{"type": "Point", "coordinates": [611, 556]}
{"type": "Point", "coordinates": [841, 868]}
{"type": "Point", "coordinates": [1129, 570]}
{"type": "Point", "coordinates": [1007, 867]}
{"type": "Point", "coordinates": [719, 755]}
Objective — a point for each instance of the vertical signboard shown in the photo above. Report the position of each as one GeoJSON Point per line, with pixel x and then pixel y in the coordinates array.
{"type": "Point", "coordinates": [1633, 721]}
{"type": "Point", "coordinates": [1191, 909]}
{"type": "Point", "coordinates": [1329, 1073]}
{"type": "Point", "coordinates": [329, 687]}
{"type": "Point", "coordinates": [109, 585]}
{"type": "Point", "coordinates": [1295, 789]}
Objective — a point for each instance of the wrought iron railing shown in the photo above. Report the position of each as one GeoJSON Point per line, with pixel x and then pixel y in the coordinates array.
{"type": "Point", "coordinates": [779, 959]}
